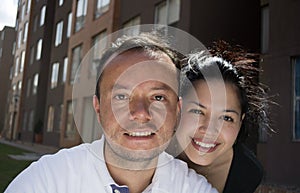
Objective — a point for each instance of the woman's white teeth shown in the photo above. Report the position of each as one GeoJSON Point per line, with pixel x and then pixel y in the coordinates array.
{"type": "Point", "coordinates": [205, 145]}
{"type": "Point", "coordinates": [139, 134]}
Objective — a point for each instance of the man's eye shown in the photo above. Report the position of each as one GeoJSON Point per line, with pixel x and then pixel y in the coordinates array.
{"type": "Point", "coordinates": [159, 98]}
{"type": "Point", "coordinates": [121, 97]}
{"type": "Point", "coordinates": [196, 111]}
{"type": "Point", "coordinates": [227, 118]}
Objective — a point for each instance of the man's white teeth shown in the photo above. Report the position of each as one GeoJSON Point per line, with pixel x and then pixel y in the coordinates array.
{"type": "Point", "coordinates": [205, 145]}
{"type": "Point", "coordinates": [139, 134]}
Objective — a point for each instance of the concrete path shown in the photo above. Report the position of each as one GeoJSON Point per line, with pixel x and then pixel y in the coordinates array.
{"type": "Point", "coordinates": [37, 149]}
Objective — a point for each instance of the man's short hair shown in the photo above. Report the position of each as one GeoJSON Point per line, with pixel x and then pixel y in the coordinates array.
{"type": "Point", "coordinates": [153, 44]}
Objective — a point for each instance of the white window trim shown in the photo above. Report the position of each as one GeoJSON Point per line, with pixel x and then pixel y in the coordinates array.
{"type": "Point", "coordinates": [43, 15]}
{"type": "Point", "coordinates": [59, 33]}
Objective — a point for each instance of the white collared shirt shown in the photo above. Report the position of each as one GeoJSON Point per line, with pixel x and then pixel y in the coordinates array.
{"type": "Point", "coordinates": [83, 169]}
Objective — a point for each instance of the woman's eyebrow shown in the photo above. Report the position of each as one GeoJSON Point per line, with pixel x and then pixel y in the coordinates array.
{"type": "Point", "coordinates": [231, 111]}
{"type": "Point", "coordinates": [198, 104]}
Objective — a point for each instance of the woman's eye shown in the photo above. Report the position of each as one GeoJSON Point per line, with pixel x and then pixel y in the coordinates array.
{"type": "Point", "coordinates": [159, 98]}
{"type": "Point", "coordinates": [196, 111]}
{"type": "Point", "coordinates": [227, 118]}
{"type": "Point", "coordinates": [121, 97]}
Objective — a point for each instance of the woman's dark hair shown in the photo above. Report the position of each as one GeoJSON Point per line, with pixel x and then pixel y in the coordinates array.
{"type": "Point", "coordinates": [151, 43]}
{"type": "Point", "coordinates": [240, 68]}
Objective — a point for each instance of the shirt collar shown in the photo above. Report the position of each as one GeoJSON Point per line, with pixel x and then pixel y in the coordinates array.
{"type": "Point", "coordinates": [160, 181]}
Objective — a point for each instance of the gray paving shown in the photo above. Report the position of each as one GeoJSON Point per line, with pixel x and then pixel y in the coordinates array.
{"type": "Point", "coordinates": [36, 150]}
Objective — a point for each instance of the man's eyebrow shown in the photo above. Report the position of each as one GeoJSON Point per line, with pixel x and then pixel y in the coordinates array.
{"type": "Point", "coordinates": [119, 86]}
{"type": "Point", "coordinates": [162, 87]}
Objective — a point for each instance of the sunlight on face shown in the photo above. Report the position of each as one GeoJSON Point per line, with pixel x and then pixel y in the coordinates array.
{"type": "Point", "coordinates": [138, 108]}
{"type": "Point", "coordinates": [215, 127]}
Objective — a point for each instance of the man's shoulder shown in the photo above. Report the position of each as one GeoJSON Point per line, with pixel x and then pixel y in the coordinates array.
{"type": "Point", "coordinates": [180, 169]}
{"type": "Point", "coordinates": [177, 174]}
{"type": "Point", "coordinates": [80, 157]}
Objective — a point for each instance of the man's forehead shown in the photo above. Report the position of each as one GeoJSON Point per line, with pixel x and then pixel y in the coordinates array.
{"type": "Point", "coordinates": [138, 55]}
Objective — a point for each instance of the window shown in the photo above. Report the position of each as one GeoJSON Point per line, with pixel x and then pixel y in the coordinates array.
{"type": "Point", "coordinates": [133, 30]}
{"type": "Point", "coordinates": [14, 88]}
{"type": "Point", "coordinates": [20, 38]}
{"type": "Point", "coordinates": [0, 52]}
{"type": "Point", "coordinates": [265, 29]}
{"type": "Point", "coordinates": [17, 25]}
{"type": "Point", "coordinates": [14, 49]}
{"type": "Point", "coordinates": [69, 29]}
{"type": "Point", "coordinates": [80, 14]}
{"type": "Point", "coordinates": [65, 70]}
{"type": "Point", "coordinates": [17, 66]}
{"type": "Point", "coordinates": [101, 7]}
{"type": "Point", "coordinates": [90, 127]}
{"type": "Point", "coordinates": [2, 35]}
{"type": "Point", "coordinates": [35, 84]}
{"type": "Point", "coordinates": [59, 31]}
{"type": "Point", "coordinates": [296, 133]}
{"type": "Point", "coordinates": [20, 86]}
{"type": "Point", "coordinates": [43, 13]}
{"type": "Point", "coordinates": [31, 119]}
{"type": "Point", "coordinates": [25, 32]}
{"type": "Point", "coordinates": [70, 129]}
{"type": "Point", "coordinates": [28, 87]}
{"type": "Point", "coordinates": [39, 49]}
{"type": "Point", "coordinates": [11, 73]}
{"type": "Point", "coordinates": [25, 118]}
{"type": "Point", "coordinates": [50, 119]}
{"type": "Point", "coordinates": [22, 61]}
{"type": "Point", "coordinates": [23, 11]}
{"type": "Point", "coordinates": [31, 55]}
{"type": "Point", "coordinates": [167, 12]}
{"type": "Point", "coordinates": [60, 2]}
{"type": "Point", "coordinates": [28, 6]}
{"type": "Point", "coordinates": [54, 75]}
{"type": "Point", "coordinates": [35, 23]}
{"type": "Point", "coordinates": [58, 115]}
{"type": "Point", "coordinates": [76, 59]}
{"type": "Point", "coordinates": [99, 45]}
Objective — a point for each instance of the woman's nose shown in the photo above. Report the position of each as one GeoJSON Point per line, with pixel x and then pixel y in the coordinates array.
{"type": "Point", "coordinates": [209, 124]}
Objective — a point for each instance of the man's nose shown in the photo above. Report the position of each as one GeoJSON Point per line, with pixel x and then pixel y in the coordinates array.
{"type": "Point", "coordinates": [139, 110]}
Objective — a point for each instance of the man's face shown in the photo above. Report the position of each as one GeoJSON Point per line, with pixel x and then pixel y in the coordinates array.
{"type": "Point", "coordinates": [139, 106]}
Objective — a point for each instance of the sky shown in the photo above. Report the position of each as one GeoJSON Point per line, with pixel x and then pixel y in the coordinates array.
{"type": "Point", "coordinates": [8, 13]}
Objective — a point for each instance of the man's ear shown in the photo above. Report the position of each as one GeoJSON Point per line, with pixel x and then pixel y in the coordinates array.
{"type": "Point", "coordinates": [96, 105]}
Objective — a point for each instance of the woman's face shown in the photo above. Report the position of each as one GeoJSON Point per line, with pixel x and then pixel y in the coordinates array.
{"type": "Point", "coordinates": [211, 121]}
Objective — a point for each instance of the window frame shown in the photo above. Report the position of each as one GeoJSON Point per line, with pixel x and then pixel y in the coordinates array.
{"type": "Point", "coordinates": [39, 49]}
{"type": "Point", "coordinates": [80, 9]}
{"type": "Point", "coordinates": [135, 21]}
{"type": "Point", "coordinates": [50, 118]}
{"type": "Point", "coordinates": [43, 15]}
{"type": "Point", "coordinates": [54, 75]}
{"type": "Point", "coordinates": [100, 9]}
{"type": "Point", "coordinates": [168, 4]}
{"type": "Point", "coordinates": [59, 33]}
{"type": "Point", "coordinates": [75, 66]}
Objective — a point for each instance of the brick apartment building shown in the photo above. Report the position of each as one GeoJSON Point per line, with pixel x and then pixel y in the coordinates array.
{"type": "Point", "coordinates": [60, 33]}
{"type": "Point", "coordinates": [7, 49]}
